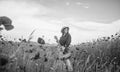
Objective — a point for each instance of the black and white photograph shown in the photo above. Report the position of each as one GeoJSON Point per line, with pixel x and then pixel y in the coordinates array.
{"type": "Point", "coordinates": [59, 35]}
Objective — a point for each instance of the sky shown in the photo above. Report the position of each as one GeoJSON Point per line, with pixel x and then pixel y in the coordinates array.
{"type": "Point", "coordinates": [87, 19]}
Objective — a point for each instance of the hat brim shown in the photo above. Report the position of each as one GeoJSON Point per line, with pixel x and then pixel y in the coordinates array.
{"type": "Point", "coordinates": [9, 27]}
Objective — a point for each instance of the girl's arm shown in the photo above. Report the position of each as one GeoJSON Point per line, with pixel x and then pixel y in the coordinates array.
{"type": "Point", "coordinates": [68, 41]}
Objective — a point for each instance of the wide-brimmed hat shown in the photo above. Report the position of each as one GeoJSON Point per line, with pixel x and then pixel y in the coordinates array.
{"type": "Point", "coordinates": [6, 22]}
{"type": "Point", "coordinates": [64, 28]}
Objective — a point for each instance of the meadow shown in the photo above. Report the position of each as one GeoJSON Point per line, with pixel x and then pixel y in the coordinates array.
{"type": "Point", "coordinates": [99, 55]}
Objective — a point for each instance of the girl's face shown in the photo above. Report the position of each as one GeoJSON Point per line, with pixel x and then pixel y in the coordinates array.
{"type": "Point", "coordinates": [65, 30]}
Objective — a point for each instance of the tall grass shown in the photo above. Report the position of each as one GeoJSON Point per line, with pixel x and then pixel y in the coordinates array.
{"type": "Point", "coordinates": [101, 55]}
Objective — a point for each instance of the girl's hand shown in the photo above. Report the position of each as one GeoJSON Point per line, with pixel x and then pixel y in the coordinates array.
{"type": "Point", "coordinates": [63, 48]}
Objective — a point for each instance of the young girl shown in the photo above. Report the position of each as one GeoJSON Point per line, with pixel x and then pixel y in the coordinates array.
{"type": "Point", "coordinates": [65, 39]}
{"type": "Point", "coordinates": [64, 43]}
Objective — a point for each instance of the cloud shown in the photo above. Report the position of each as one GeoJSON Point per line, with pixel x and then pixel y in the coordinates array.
{"type": "Point", "coordinates": [84, 5]}
{"type": "Point", "coordinates": [78, 3]}
{"type": "Point", "coordinates": [87, 30]}
{"type": "Point", "coordinates": [67, 3]}
{"type": "Point", "coordinates": [28, 16]}
{"type": "Point", "coordinates": [23, 16]}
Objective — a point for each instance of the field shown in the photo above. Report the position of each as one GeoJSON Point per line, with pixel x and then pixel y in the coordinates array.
{"type": "Point", "coordinates": [101, 55]}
